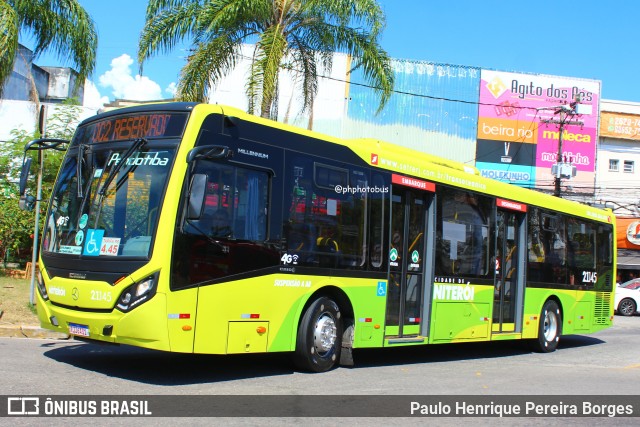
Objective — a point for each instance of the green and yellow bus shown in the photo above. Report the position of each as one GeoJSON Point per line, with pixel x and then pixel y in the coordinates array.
{"type": "Point", "coordinates": [198, 228]}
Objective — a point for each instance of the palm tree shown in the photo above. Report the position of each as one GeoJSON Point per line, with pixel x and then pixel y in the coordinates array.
{"type": "Point", "coordinates": [61, 25]}
{"type": "Point", "coordinates": [288, 34]}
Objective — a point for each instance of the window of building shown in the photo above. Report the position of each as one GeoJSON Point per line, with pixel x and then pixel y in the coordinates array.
{"type": "Point", "coordinates": [614, 165]}
{"type": "Point", "coordinates": [628, 166]}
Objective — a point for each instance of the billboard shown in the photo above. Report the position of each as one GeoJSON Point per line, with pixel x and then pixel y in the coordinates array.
{"type": "Point", "coordinates": [628, 233]}
{"type": "Point", "coordinates": [515, 145]}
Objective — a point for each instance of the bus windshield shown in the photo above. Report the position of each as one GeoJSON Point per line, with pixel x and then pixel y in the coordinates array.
{"type": "Point", "coordinates": [112, 209]}
{"type": "Point", "coordinates": [109, 189]}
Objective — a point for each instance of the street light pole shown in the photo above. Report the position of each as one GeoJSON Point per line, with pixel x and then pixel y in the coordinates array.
{"type": "Point", "coordinates": [42, 124]}
{"type": "Point", "coordinates": [36, 229]}
{"type": "Point", "coordinates": [27, 201]}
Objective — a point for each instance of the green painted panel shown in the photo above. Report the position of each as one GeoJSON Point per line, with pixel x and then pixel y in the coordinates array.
{"type": "Point", "coordinates": [461, 320]}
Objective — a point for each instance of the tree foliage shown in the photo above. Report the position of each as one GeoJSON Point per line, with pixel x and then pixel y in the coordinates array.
{"type": "Point", "coordinates": [16, 226]}
{"type": "Point", "coordinates": [59, 25]}
{"type": "Point", "coordinates": [299, 35]}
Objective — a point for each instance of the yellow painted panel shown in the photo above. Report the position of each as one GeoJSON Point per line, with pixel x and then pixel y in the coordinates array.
{"type": "Point", "coordinates": [247, 337]}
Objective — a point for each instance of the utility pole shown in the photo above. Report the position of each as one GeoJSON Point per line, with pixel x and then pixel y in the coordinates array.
{"type": "Point", "coordinates": [562, 169]}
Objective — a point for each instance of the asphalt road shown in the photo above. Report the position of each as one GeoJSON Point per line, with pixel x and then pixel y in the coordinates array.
{"type": "Point", "coordinates": [605, 363]}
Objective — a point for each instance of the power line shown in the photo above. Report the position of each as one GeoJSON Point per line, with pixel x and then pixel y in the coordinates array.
{"type": "Point", "coordinates": [400, 92]}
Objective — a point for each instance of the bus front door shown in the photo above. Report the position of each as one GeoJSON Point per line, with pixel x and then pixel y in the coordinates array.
{"type": "Point", "coordinates": [405, 309]}
{"type": "Point", "coordinates": [509, 277]}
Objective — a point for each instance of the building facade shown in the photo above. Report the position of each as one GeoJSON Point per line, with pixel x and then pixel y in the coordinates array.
{"type": "Point", "coordinates": [618, 178]}
{"type": "Point", "coordinates": [31, 85]}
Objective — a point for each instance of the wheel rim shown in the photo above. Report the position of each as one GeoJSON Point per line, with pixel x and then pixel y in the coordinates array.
{"type": "Point", "coordinates": [550, 326]}
{"type": "Point", "coordinates": [325, 333]}
{"type": "Point", "coordinates": [626, 307]}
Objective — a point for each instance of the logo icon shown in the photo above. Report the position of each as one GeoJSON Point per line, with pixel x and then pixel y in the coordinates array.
{"type": "Point", "coordinates": [75, 293]}
{"type": "Point", "coordinates": [393, 255]}
{"type": "Point", "coordinates": [633, 232]}
{"type": "Point", "coordinates": [506, 158]}
{"type": "Point", "coordinates": [83, 221]}
{"type": "Point", "coordinates": [415, 256]}
{"type": "Point", "coordinates": [496, 87]}
{"type": "Point", "coordinates": [374, 159]}
{"type": "Point", "coordinates": [23, 406]}
{"type": "Point", "coordinates": [79, 237]}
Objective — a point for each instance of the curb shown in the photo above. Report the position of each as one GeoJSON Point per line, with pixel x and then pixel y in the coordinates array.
{"type": "Point", "coordinates": [28, 331]}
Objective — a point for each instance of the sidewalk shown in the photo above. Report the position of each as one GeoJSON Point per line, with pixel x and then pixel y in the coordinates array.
{"type": "Point", "coordinates": [30, 331]}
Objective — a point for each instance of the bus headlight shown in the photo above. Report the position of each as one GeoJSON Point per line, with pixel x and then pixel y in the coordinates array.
{"type": "Point", "coordinates": [41, 288]}
{"type": "Point", "coordinates": [137, 293]}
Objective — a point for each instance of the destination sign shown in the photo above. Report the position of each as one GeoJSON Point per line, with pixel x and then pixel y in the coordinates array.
{"type": "Point", "coordinates": [132, 126]}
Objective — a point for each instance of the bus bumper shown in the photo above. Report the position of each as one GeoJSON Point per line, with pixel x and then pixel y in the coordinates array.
{"type": "Point", "coordinates": [144, 326]}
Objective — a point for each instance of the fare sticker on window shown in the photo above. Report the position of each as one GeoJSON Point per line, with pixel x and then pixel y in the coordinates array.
{"type": "Point", "coordinates": [110, 246]}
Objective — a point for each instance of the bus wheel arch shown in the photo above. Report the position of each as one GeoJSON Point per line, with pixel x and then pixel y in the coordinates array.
{"type": "Point", "coordinates": [549, 326]}
{"type": "Point", "coordinates": [325, 324]}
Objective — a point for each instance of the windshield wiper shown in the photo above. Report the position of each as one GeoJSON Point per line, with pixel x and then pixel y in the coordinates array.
{"type": "Point", "coordinates": [79, 160]}
{"type": "Point", "coordinates": [137, 144]}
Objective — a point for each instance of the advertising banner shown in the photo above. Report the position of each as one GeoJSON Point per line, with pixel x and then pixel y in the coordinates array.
{"type": "Point", "coordinates": [628, 233]}
{"type": "Point", "coordinates": [620, 125]}
{"type": "Point", "coordinates": [516, 144]}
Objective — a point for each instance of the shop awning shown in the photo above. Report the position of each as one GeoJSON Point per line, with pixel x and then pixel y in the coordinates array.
{"type": "Point", "coordinates": [628, 259]}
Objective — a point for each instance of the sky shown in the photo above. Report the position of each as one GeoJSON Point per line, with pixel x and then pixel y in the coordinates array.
{"type": "Point", "coordinates": [588, 39]}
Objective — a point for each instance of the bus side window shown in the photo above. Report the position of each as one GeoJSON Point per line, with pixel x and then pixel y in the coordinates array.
{"type": "Point", "coordinates": [326, 226]}
{"type": "Point", "coordinates": [301, 243]}
{"type": "Point", "coordinates": [378, 216]}
{"type": "Point", "coordinates": [463, 230]}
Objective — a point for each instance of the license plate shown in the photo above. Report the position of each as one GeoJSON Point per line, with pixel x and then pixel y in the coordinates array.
{"type": "Point", "coordinates": [81, 330]}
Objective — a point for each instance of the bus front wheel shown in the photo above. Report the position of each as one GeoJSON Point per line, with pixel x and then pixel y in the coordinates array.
{"type": "Point", "coordinates": [319, 336]}
{"type": "Point", "coordinates": [549, 328]}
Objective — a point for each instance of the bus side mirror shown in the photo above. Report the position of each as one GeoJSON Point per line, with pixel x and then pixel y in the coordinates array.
{"type": "Point", "coordinates": [197, 192]}
{"type": "Point", "coordinates": [24, 175]}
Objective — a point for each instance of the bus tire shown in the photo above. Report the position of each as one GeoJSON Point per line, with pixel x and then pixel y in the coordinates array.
{"type": "Point", "coordinates": [319, 337]}
{"type": "Point", "coordinates": [627, 307]}
{"type": "Point", "coordinates": [549, 328]}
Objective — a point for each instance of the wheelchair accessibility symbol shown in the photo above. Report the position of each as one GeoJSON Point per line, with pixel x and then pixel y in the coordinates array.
{"type": "Point", "coordinates": [382, 289]}
{"type": "Point", "coordinates": [93, 242]}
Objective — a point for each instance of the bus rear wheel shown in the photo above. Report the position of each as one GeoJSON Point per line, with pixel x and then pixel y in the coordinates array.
{"type": "Point", "coordinates": [319, 336]}
{"type": "Point", "coordinates": [549, 329]}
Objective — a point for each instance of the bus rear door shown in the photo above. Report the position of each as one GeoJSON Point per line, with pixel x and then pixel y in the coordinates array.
{"type": "Point", "coordinates": [510, 265]}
